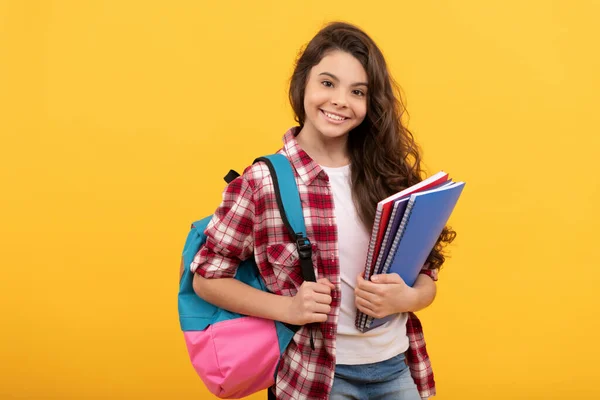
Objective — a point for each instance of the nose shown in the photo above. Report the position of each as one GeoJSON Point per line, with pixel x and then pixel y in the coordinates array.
{"type": "Point", "coordinates": [339, 99]}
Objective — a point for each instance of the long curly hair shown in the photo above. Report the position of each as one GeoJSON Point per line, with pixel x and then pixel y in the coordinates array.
{"type": "Point", "coordinates": [385, 158]}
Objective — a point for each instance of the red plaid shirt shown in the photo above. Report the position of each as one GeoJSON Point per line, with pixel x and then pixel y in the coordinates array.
{"type": "Point", "coordinates": [248, 222]}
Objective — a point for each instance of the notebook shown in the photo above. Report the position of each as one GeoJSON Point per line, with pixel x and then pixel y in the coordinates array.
{"type": "Point", "coordinates": [424, 219]}
{"type": "Point", "coordinates": [382, 216]}
{"type": "Point", "coordinates": [393, 225]}
{"type": "Point", "coordinates": [386, 206]}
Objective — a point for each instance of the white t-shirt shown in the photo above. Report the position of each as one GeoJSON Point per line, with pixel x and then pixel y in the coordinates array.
{"type": "Point", "coordinates": [352, 346]}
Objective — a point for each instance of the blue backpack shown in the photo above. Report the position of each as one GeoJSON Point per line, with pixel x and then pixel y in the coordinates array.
{"type": "Point", "coordinates": [236, 355]}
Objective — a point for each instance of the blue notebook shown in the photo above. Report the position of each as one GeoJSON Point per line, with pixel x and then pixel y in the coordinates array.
{"type": "Point", "coordinates": [422, 223]}
{"type": "Point", "coordinates": [395, 221]}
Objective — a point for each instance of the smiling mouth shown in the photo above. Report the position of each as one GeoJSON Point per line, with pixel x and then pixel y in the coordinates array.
{"type": "Point", "coordinates": [334, 117]}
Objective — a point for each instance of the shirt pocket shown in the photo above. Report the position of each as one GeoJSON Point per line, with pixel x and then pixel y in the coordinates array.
{"type": "Point", "coordinates": [285, 256]}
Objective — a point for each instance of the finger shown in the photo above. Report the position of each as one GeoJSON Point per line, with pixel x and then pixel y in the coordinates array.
{"type": "Point", "coordinates": [318, 318]}
{"type": "Point", "coordinates": [321, 308]}
{"type": "Point", "coordinates": [370, 297]}
{"type": "Point", "coordinates": [369, 286]}
{"type": "Point", "coordinates": [322, 298]}
{"type": "Point", "coordinates": [365, 304]}
{"type": "Point", "coordinates": [321, 288]}
{"type": "Point", "coordinates": [365, 310]}
{"type": "Point", "coordinates": [360, 278]}
{"type": "Point", "coordinates": [326, 281]}
{"type": "Point", "coordinates": [387, 278]}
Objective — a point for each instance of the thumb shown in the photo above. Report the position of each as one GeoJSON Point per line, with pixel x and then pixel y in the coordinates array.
{"type": "Point", "coordinates": [326, 281]}
{"type": "Point", "coordinates": [387, 278]}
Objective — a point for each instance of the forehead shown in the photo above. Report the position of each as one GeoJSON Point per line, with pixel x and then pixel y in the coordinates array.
{"type": "Point", "coordinates": [343, 65]}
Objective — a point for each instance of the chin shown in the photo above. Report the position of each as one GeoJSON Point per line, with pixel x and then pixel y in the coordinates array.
{"type": "Point", "coordinates": [334, 132]}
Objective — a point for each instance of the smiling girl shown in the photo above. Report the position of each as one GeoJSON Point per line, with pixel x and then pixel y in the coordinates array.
{"type": "Point", "coordinates": [349, 151]}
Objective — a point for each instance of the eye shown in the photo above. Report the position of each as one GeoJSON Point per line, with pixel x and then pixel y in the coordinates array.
{"type": "Point", "coordinates": [327, 83]}
{"type": "Point", "coordinates": [358, 92]}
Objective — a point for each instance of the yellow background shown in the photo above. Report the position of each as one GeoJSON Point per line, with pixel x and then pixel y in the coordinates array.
{"type": "Point", "coordinates": [118, 120]}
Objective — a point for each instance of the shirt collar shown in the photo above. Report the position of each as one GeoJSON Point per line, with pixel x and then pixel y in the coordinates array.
{"type": "Point", "coordinates": [307, 168]}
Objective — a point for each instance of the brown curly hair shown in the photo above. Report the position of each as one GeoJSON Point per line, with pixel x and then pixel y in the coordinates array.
{"type": "Point", "coordinates": [385, 158]}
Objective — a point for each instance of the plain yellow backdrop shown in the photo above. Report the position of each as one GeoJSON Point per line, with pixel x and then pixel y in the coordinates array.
{"type": "Point", "coordinates": [118, 120]}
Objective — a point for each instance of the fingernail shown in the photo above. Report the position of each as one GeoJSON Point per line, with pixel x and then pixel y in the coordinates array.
{"type": "Point", "coordinates": [375, 278]}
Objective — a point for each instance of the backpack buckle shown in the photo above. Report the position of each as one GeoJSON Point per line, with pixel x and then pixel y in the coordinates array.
{"type": "Point", "coordinates": [304, 247]}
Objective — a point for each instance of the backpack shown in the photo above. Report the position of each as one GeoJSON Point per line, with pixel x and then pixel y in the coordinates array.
{"type": "Point", "coordinates": [236, 355]}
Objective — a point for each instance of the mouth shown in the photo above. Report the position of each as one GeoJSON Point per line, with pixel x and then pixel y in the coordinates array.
{"type": "Point", "coordinates": [332, 117]}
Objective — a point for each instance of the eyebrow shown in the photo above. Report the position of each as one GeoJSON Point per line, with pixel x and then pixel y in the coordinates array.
{"type": "Point", "coordinates": [337, 79]}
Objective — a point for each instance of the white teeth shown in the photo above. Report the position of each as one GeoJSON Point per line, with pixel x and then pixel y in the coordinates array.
{"type": "Point", "coordinates": [334, 116]}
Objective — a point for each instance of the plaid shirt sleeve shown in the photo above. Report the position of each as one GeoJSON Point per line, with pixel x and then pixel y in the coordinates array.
{"type": "Point", "coordinates": [430, 272]}
{"type": "Point", "coordinates": [417, 357]}
{"type": "Point", "coordinates": [229, 234]}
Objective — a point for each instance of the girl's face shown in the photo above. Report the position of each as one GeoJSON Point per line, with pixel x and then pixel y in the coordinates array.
{"type": "Point", "coordinates": [335, 98]}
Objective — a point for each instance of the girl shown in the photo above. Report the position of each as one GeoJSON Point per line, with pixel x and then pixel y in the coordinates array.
{"type": "Point", "coordinates": [349, 151]}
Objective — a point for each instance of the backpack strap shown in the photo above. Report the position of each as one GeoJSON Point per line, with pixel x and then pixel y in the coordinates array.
{"type": "Point", "coordinates": [231, 175]}
{"type": "Point", "coordinates": [290, 207]}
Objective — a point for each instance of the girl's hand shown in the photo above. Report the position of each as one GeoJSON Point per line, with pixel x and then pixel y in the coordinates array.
{"type": "Point", "coordinates": [311, 303]}
{"type": "Point", "coordinates": [387, 294]}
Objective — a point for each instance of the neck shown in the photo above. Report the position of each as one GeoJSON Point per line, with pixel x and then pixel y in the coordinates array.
{"type": "Point", "coordinates": [328, 152]}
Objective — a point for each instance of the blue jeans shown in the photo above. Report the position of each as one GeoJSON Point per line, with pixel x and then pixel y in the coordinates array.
{"type": "Point", "coordinates": [389, 379]}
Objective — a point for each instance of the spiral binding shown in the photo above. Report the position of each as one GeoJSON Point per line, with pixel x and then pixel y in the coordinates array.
{"type": "Point", "coordinates": [405, 218]}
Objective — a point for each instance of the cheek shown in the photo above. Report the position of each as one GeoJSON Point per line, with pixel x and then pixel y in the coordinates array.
{"type": "Point", "coordinates": [360, 110]}
{"type": "Point", "coordinates": [314, 98]}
